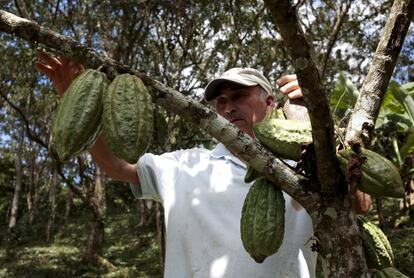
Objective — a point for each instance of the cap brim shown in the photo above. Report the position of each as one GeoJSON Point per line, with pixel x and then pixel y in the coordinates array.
{"type": "Point", "coordinates": [211, 93]}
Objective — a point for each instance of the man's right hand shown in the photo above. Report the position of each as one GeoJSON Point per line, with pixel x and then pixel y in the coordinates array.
{"type": "Point", "coordinates": [61, 71]}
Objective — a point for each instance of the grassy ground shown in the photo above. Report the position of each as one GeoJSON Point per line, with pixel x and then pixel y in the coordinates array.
{"type": "Point", "coordinates": [133, 250]}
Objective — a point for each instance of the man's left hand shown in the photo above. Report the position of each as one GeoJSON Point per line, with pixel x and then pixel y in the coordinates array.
{"type": "Point", "coordinates": [289, 85]}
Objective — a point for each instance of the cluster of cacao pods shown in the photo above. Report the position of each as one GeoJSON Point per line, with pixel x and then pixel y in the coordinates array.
{"type": "Point", "coordinates": [124, 110]}
{"type": "Point", "coordinates": [286, 138]}
{"type": "Point", "coordinates": [262, 220]}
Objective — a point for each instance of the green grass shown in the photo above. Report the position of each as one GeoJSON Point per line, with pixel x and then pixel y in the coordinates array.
{"type": "Point", "coordinates": [133, 250]}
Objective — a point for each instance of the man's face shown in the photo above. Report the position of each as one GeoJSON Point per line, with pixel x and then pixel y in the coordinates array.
{"type": "Point", "coordinates": [243, 106]}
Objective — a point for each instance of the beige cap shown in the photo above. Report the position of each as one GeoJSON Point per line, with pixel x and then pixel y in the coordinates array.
{"type": "Point", "coordinates": [242, 76]}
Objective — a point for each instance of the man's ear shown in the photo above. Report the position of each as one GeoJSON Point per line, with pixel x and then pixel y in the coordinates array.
{"type": "Point", "coordinates": [270, 103]}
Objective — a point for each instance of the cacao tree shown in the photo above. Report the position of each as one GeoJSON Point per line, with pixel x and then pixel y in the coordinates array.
{"type": "Point", "coordinates": [327, 204]}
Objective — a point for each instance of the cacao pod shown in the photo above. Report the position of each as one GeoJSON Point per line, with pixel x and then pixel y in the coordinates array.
{"type": "Point", "coordinates": [389, 272]}
{"type": "Point", "coordinates": [262, 221]}
{"type": "Point", "coordinates": [377, 249]}
{"type": "Point", "coordinates": [77, 122]}
{"type": "Point", "coordinates": [284, 138]}
{"type": "Point", "coordinates": [128, 117]}
{"type": "Point", "coordinates": [380, 178]}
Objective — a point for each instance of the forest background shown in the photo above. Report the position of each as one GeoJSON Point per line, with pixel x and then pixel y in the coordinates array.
{"type": "Point", "coordinates": [57, 219]}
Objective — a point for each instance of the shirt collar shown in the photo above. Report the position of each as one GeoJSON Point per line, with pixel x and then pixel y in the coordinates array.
{"type": "Point", "coordinates": [221, 152]}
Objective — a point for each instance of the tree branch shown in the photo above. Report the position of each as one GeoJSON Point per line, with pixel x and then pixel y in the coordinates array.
{"type": "Point", "coordinates": [248, 149]}
{"type": "Point", "coordinates": [362, 121]}
{"type": "Point", "coordinates": [30, 133]}
{"type": "Point", "coordinates": [302, 56]}
{"type": "Point", "coordinates": [334, 33]}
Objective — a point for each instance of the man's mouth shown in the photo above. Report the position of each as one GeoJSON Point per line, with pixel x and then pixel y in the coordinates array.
{"type": "Point", "coordinates": [235, 120]}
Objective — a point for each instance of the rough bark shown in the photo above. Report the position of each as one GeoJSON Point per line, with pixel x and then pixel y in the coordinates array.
{"type": "Point", "coordinates": [248, 149]}
{"type": "Point", "coordinates": [302, 56]}
{"type": "Point", "coordinates": [31, 205]}
{"type": "Point", "coordinates": [18, 183]}
{"type": "Point", "coordinates": [69, 203]}
{"type": "Point", "coordinates": [160, 235]}
{"type": "Point", "coordinates": [95, 240]}
{"type": "Point", "coordinates": [362, 121]}
{"type": "Point", "coordinates": [337, 239]}
{"type": "Point", "coordinates": [52, 204]}
{"type": "Point", "coordinates": [100, 192]}
{"type": "Point", "coordinates": [97, 222]}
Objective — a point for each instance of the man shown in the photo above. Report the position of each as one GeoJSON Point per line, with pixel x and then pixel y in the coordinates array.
{"type": "Point", "coordinates": [202, 191]}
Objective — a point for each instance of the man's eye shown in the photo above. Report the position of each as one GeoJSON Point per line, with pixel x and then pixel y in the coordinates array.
{"type": "Point", "coordinates": [237, 97]}
{"type": "Point", "coordinates": [219, 102]}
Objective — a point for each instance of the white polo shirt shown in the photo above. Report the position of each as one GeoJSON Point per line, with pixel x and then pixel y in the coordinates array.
{"type": "Point", "coordinates": [202, 193]}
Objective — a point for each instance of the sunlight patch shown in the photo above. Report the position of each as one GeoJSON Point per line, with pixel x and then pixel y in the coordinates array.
{"type": "Point", "coordinates": [219, 266]}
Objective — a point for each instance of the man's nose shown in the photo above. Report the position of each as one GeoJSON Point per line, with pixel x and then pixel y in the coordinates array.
{"type": "Point", "coordinates": [229, 107]}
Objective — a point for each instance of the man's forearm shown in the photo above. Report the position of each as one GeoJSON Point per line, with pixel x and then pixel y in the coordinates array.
{"type": "Point", "coordinates": [113, 166]}
{"type": "Point", "coordinates": [362, 202]}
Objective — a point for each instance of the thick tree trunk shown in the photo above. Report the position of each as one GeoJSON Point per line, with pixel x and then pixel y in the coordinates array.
{"type": "Point", "coordinates": [337, 238]}
{"type": "Point", "coordinates": [95, 240]}
{"type": "Point", "coordinates": [96, 233]}
{"type": "Point", "coordinates": [160, 235]}
{"type": "Point", "coordinates": [141, 209]}
{"type": "Point", "coordinates": [13, 235]}
{"type": "Point", "coordinates": [30, 188]}
{"type": "Point", "coordinates": [52, 204]}
{"type": "Point", "coordinates": [19, 183]}
{"type": "Point", "coordinates": [69, 203]}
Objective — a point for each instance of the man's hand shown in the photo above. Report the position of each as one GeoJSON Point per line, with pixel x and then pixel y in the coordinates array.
{"type": "Point", "coordinates": [61, 71]}
{"type": "Point", "coordinates": [289, 85]}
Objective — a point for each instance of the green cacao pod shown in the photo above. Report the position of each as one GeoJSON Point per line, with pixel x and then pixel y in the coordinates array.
{"type": "Point", "coordinates": [128, 117]}
{"type": "Point", "coordinates": [380, 178]}
{"type": "Point", "coordinates": [262, 221]}
{"type": "Point", "coordinates": [78, 120]}
{"type": "Point", "coordinates": [389, 272]}
{"type": "Point", "coordinates": [283, 137]}
{"type": "Point", "coordinates": [377, 249]}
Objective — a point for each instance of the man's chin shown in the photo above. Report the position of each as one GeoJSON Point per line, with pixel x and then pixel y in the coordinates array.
{"type": "Point", "coordinates": [242, 126]}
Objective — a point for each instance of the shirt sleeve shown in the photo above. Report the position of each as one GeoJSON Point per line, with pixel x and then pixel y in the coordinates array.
{"type": "Point", "coordinates": [156, 173]}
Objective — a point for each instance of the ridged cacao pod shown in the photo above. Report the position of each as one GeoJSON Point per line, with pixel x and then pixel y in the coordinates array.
{"type": "Point", "coordinates": [389, 272]}
{"type": "Point", "coordinates": [78, 122]}
{"type": "Point", "coordinates": [262, 221]}
{"type": "Point", "coordinates": [128, 117]}
{"type": "Point", "coordinates": [377, 249]}
{"type": "Point", "coordinates": [283, 137]}
{"type": "Point", "coordinates": [380, 178]}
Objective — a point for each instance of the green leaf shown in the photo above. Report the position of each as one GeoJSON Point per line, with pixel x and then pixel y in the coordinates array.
{"type": "Point", "coordinates": [392, 109]}
{"type": "Point", "coordinates": [344, 95]}
{"type": "Point", "coordinates": [409, 88]}
{"type": "Point", "coordinates": [402, 95]}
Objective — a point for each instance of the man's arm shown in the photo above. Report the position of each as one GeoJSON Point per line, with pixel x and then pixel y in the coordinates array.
{"type": "Point", "coordinates": [290, 86]}
{"type": "Point", "coordinates": [62, 72]}
{"type": "Point", "coordinates": [362, 202]}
